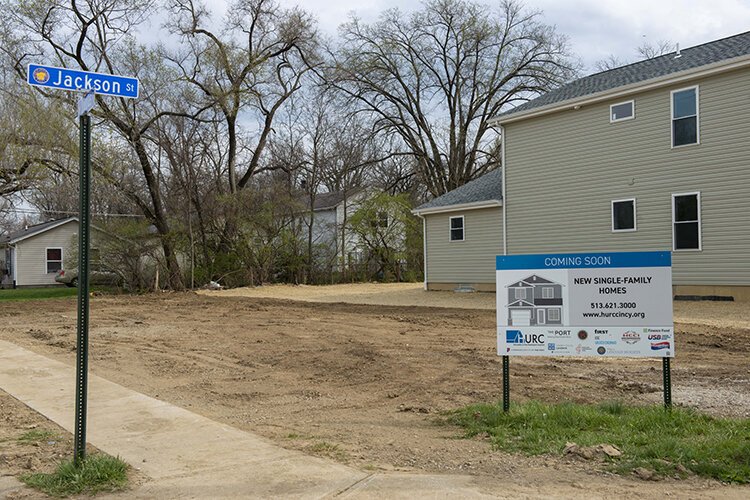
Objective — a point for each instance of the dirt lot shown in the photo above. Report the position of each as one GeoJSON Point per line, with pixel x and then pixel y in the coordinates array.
{"type": "Point", "coordinates": [28, 443]}
{"type": "Point", "coordinates": [365, 384]}
{"type": "Point", "coordinates": [31, 443]}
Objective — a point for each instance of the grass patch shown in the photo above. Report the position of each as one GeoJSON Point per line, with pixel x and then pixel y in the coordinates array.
{"type": "Point", "coordinates": [328, 449]}
{"type": "Point", "coordinates": [37, 293]}
{"type": "Point", "coordinates": [323, 447]}
{"type": "Point", "coordinates": [97, 473]}
{"type": "Point", "coordinates": [57, 292]}
{"type": "Point", "coordinates": [36, 435]}
{"type": "Point", "coordinates": [668, 443]}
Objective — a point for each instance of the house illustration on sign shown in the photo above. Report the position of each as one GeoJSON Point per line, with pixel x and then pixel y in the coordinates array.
{"type": "Point", "coordinates": [534, 301]}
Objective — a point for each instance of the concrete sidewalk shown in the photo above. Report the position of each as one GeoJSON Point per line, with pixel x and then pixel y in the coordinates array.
{"type": "Point", "coordinates": [186, 455]}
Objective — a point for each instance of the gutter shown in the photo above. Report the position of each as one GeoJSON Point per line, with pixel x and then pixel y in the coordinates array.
{"type": "Point", "coordinates": [27, 236]}
{"type": "Point", "coordinates": [505, 208]}
{"type": "Point", "coordinates": [458, 207]}
{"type": "Point", "coordinates": [14, 264]}
{"type": "Point", "coordinates": [624, 90]}
{"type": "Point", "coordinates": [424, 248]}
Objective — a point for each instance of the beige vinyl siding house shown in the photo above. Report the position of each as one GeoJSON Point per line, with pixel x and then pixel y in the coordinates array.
{"type": "Point", "coordinates": [567, 162]}
{"type": "Point", "coordinates": [463, 235]}
{"type": "Point", "coordinates": [466, 263]}
{"type": "Point", "coordinates": [36, 253]}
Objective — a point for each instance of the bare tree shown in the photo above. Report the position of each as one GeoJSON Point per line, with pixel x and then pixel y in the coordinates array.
{"type": "Point", "coordinates": [436, 77]}
{"type": "Point", "coordinates": [609, 62]}
{"type": "Point", "coordinates": [644, 51]}
{"type": "Point", "coordinates": [96, 35]}
{"type": "Point", "coordinates": [195, 152]}
{"type": "Point", "coordinates": [648, 51]}
{"type": "Point", "coordinates": [256, 62]}
{"type": "Point", "coordinates": [33, 140]}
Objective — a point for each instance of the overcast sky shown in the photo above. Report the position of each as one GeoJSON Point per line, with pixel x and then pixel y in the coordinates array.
{"type": "Point", "coordinates": [596, 28]}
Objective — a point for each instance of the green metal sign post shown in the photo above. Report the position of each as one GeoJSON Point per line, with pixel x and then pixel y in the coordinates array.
{"type": "Point", "coordinates": [506, 383]}
{"type": "Point", "coordinates": [666, 368]}
{"type": "Point", "coordinates": [88, 83]}
{"type": "Point", "coordinates": [82, 342]}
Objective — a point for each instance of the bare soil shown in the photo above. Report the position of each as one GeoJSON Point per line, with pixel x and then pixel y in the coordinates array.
{"type": "Point", "coordinates": [31, 443]}
{"type": "Point", "coordinates": [18, 456]}
{"type": "Point", "coordinates": [367, 384]}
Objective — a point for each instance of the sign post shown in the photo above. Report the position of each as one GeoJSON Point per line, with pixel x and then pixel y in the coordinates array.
{"type": "Point", "coordinates": [506, 383]}
{"type": "Point", "coordinates": [589, 304]}
{"type": "Point", "coordinates": [667, 372]}
{"type": "Point", "coordinates": [91, 84]}
{"type": "Point", "coordinates": [82, 344]}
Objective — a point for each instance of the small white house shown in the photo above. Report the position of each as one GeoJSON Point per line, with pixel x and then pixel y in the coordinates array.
{"type": "Point", "coordinates": [33, 255]}
{"type": "Point", "coordinates": [330, 215]}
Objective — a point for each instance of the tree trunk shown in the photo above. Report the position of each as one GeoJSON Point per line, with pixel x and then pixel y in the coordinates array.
{"type": "Point", "coordinates": [160, 218]}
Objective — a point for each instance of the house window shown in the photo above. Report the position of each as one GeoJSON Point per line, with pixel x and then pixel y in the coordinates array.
{"type": "Point", "coordinates": [685, 128]}
{"type": "Point", "coordinates": [457, 228]}
{"type": "Point", "coordinates": [548, 292]}
{"type": "Point", "coordinates": [553, 314]}
{"type": "Point", "coordinates": [622, 111]}
{"type": "Point", "coordinates": [520, 293]}
{"type": "Point", "coordinates": [54, 260]}
{"type": "Point", "coordinates": [686, 221]}
{"type": "Point", "coordinates": [623, 215]}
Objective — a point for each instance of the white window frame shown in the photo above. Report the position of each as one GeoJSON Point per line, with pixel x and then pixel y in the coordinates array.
{"type": "Point", "coordinates": [521, 290]}
{"type": "Point", "coordinates": [47, 261]}
{"type": "Point", "coordinates": [697, 116]}
{"type": "Point", "coordinates": [549, 314]}
{"type": "Point", "coordinates": [635, 216]}
{"type": "Point", "coordinates": [450, 228]}
{"type": "Point", "coordinates": [546, 289]}
{"type": "Point", "coordinates": [631, 117]}
{"type": "Point", "coordinates": [541, 317]}
{"type": "Point", "coordinates": [700, 224]}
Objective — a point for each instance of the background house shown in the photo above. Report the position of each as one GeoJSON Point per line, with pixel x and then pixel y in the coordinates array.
{"type": "Point", "coordinates": [650, 156]}
{"type": "Point", "coordinates": [335, 244]}
{"type": "Point", "coordinates": [463, 233]}
{"type": "Point", "coordinates": [33, 255]}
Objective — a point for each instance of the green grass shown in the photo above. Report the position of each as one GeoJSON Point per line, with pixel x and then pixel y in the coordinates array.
{"type": "Point", "coordinates": [97, 473]}
{"type": "Point", "coordinates": [323, 447]}
{"type": "Point", "coordinates": [37, 293]}
{"type": "Point", "coordinates": [666, 442]}
{"type": "Point", "coordinates": [52, 292]}
{"type": "Point", "coordinates": [36, 435]}
{"type": "Point", "coordinates": [328, 449]}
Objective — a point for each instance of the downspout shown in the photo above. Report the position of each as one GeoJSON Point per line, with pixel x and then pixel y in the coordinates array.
{"type": "Point", "coordinates": [14, 263]}
{"type": "Point", "coordinates": [424, 247]}
{"type": "Point", "coordinates": [505, 199]}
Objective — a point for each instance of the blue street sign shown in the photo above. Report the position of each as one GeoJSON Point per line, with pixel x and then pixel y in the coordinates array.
{"type": "Point", "coordinates": [70, 79]}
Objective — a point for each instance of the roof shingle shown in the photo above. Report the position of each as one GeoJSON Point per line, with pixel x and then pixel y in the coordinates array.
{"type": "Point", "coordinates": [35, 229]}
{"type": "Point", "coordinates": [486, 188]}
{"type": "Point", "coordinates": [690, 58]}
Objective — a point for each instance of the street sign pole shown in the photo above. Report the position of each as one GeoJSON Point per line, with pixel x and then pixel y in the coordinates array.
{"type": "Point", "coordinates": [89, 83]}
{"type": "Point", "coordinates": [82, 344]}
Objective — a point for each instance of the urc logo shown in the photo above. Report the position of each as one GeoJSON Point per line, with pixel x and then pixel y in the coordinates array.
{"type": "Point", "coordinates": [518, 337]}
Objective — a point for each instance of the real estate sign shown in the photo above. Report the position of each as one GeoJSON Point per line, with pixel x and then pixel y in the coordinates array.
{"type": "Point", "coordinates": [588, 304]}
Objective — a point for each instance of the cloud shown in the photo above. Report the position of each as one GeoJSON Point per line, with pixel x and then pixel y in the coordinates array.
{"type": "Point", "coordinates": [596, 28]}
